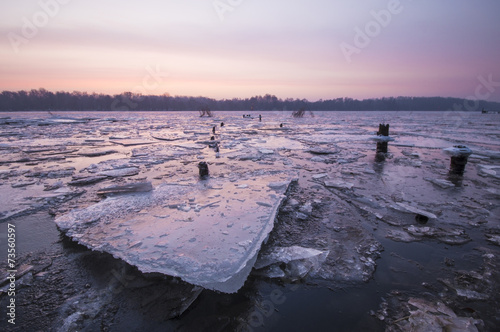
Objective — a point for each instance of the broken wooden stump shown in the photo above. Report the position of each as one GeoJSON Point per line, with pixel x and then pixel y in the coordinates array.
{"type": "Point", "coordinates": [383, 130]}
{"type": "Point", "coordinates": [459, 157]}
{"type": "Point", "coordinates": [203, 169]}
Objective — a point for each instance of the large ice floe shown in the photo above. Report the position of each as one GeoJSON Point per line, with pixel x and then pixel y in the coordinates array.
{"type": "Point", "coordinates": [206, 232]}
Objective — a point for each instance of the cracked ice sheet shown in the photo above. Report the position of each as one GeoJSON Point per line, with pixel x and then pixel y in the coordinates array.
{"type": "Point", "coordinates": [208, 233]}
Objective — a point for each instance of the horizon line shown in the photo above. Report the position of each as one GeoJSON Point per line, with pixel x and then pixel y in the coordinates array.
{"type": "Point", "coordinates": [167, 94]}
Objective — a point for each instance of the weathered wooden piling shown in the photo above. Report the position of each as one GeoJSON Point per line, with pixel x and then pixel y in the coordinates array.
{"type": "Point", "coordinates": [459, 157]}
{"type": "Point", "coordinates": [203, 169]}
{"type": "Point", "coordinates": [381, 151]}
{"type": "Point", "coordinates": [382, 147]}
{"type": "Point", "coordinates": [383, 130]}
{"type": "Point", "coordinates": [217, 151]}
{"type": "Point", "coordinates": [457, 164]}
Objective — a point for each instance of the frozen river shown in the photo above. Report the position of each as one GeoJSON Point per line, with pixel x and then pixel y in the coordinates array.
{"type": "Point", "coordinates": [302, 224]}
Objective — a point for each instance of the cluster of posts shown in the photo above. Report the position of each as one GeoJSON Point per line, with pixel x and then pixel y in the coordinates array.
{"type": "Point", "coordinates": [459, 153]}
{"type": "Point", "coordinates": [203, 166]}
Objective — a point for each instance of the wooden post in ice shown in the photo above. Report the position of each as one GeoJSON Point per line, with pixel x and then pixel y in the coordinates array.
{"type": "Point", "coordinates": [203, 168]}
{"type": "Point", "coordinates": [457, 164]}
{"type": "Point", "coordinates": [459, 157]}
{"type": "Point", "coordinates": [382, 147]}
{"type": "Point", "coordinates": [383, 130]}
{"type": "Point", "coordinates": [217, 150]}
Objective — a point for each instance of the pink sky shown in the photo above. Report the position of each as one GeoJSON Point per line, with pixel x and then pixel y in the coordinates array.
{"type": "Point", "coordinates": [242, 48]}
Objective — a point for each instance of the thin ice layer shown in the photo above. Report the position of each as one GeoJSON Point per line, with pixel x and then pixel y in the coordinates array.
{"type": "Point", "coordinates": [208, 233]}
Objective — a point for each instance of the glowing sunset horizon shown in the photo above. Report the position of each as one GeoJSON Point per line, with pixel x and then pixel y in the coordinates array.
{"type": "Point", "coordinates": [237, 49]}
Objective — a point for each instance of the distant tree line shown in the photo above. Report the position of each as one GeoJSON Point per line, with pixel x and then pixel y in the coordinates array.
{"type": "Point", "coordinates": [43, 100]}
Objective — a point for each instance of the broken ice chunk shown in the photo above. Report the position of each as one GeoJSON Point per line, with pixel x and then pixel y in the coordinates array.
{"type": "Point", "coordinates": [493, 191]}
{"type": "Point", "coordinates": [434, 317]}
{"type": "Point", "coordinates": [449, 236]}
{"type": "Point", "coordinates": [409, 153]}
{"type": "Point", "coordinates": [488, 153]}
{"type": "Point", "coordinates": [493, 236]}
{"type": "Point", "coordinates": [22, 184]}
{"type": "Point", "coordinates": [96, 153]}
{"type": "Point", "coordinates": [489, 170]}
{"type": "Point", "coordinates": [120, 172]}
{"type": "Point", "coordinates": [318, 159]}
{"type": "Point", "coordinates": [410, 209]}
{"type": "Point", "coordinates": [128, 188]}
{"type": "Point", "coordinates": [322, 151]}
{"type": "Point", "coordinates": [338, 184]}
{"type": "Point", "coordinates": [382, 138]}
{"type": "Point", "coordinates": [277, 185]}
{"type": "Point", "coordinates": [306, 208]}
{"type": "Point", "coordinates": [288, 254]}
{"type": "Point", "coordinates": [191, 146]}
{"type": "Point", "coordinates": [220, 258]}
{"type": "Point", "coordinates": [57, 185]}
{"type": "Point", "coordinates": [132, 142]}
{"type": "Point", "coordinates": [442, 183]}
{"type": "Point", "coordinates": [87, 180]}
{"type": "Point", "coordinates": [299, 261]}
{"type": "Point", "coordinates": [401, 236]}
{"type": "Point", "coordinates": [273, 272]}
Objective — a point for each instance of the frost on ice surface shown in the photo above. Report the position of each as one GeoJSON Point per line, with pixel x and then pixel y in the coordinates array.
{"type": "Point", "coordinates": [202, 233]}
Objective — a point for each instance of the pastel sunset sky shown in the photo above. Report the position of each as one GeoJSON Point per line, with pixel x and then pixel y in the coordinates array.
{"type": "Point", "coordinates": [316, 49]}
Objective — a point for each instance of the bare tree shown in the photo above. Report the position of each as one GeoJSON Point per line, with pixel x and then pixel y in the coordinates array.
{"type": "Point", "coordinates": [300, 113]}
{"type": "Point", "coordinates": [205, 111]}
